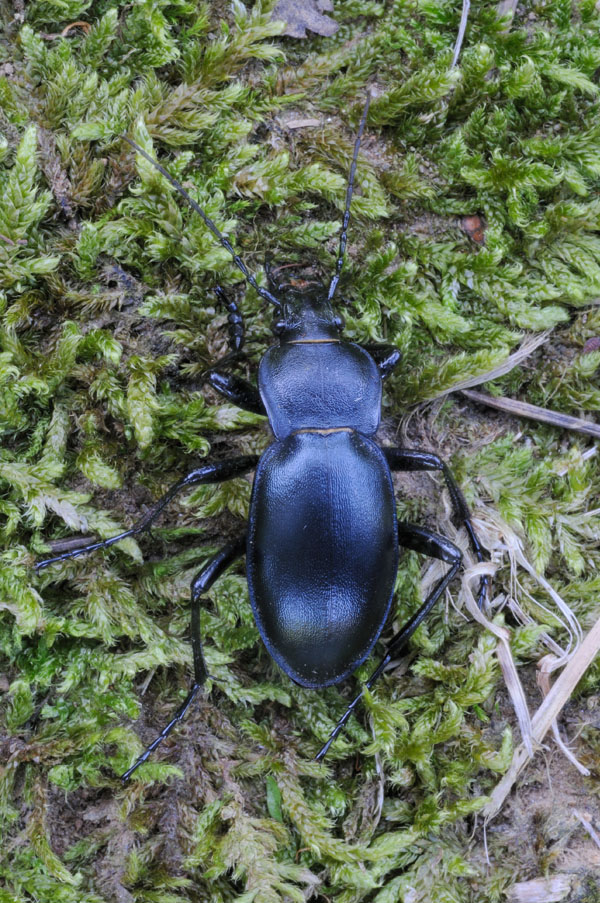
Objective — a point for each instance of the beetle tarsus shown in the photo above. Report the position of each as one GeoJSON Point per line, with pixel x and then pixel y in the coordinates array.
{"type": "Point", "coordinates": [235, 320]}
{"type": "Point", "coordinates": [178, 716]}
{"type": "Point", "coordinates": [339, 727]}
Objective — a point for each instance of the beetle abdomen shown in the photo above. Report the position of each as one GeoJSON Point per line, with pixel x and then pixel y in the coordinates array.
{"type": "Point", "coordinates": [322, 552]}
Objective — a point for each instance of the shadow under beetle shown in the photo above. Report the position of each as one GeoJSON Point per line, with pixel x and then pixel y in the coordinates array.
{"type": "Point", "coordinates": [322, 541]}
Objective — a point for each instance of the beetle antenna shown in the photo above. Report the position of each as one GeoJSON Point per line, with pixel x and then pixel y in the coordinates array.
{"type": "Point", "coordinates": [344, 236]}
{"type": "Point", "coordinates": [263, 292]}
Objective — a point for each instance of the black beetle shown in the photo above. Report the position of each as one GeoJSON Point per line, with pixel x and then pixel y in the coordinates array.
{"type": "Point", "coordinates": [322, 544]}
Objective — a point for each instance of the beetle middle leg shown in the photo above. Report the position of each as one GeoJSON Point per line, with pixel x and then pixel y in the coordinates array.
{"type": "Point", "coordinates": [211, 473]}
{"type": "Point", "coordinates": [418, 539]}
{"type": "Point", "coordinates": [411, 459]}
{"type": "Point", "coordinates": [201, 583]}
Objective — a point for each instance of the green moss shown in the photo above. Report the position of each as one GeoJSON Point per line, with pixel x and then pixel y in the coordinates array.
{"type": "Point", "coordinates": [108, 321]}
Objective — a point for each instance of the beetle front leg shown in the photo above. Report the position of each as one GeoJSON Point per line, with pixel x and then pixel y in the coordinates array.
{"type": "Point", "coordinates": [236, 330]}
{"type": "Point", "coordinates": [387, 357]}
{"type": "Point", "coordinates": [274, 285]}
{"type": "Point", "coordinates": [238, 390]}
{"type": "Point", "coordinates": [201, 583]}
{"type": "Point", "coordinates": [234, 388]}
{"type": "Point", "coordinates": [410, 459]}
{"type": "Point", "coordinates": [418, 539]}
{"type": "Point", "coordinates": [211, 473]}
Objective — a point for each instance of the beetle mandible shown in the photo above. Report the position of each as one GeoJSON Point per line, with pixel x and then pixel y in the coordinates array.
{"type": "Point", "coordinates": [322, 541]}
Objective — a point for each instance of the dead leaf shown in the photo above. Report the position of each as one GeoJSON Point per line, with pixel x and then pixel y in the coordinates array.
{"type": "Point", "coordinates": [85, 26]}
{"type": "Point", "coordinates": [474, 226]}
{"type": "Point", "coordinates": [541, 890]}
{"type": "Point", "coordinates": [55, 174]}
{"type": "Point", "coordinates": [302, 15]}
{"type": "Point", "coordinates": [592, 344]}
{"type": "Point", "coordinates": [302, 123]}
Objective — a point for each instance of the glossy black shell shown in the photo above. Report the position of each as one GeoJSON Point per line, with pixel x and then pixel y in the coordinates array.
{"type": "Point", "coordinates": [320, 385]}
{"type": "Point", "coordinates": [322, 549]}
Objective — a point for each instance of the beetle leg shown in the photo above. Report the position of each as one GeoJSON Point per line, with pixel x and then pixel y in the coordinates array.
{"type": "Point", "coordinates": [270, 274]}
{"type": "Point", "coordinates": [236, 389]}
{"type": "Point", "coordinates": [414, 459]}
{"type": "Point", "coordinates": [211, 473]}
{"type": "Point", "coordinates": [385, 356]}
{"type": "Point", "coordinates": [201, 583]}
{"type": "Point", "coordinates": [241, 393]}
{"type": "Point", "coordinates": [419, 539]}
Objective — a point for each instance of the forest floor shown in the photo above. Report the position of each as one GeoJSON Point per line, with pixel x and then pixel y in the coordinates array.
{"type": "Point", "coordinates": [474, 247]}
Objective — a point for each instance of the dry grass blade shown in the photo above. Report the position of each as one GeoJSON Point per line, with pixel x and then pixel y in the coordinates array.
{"type": "Point", "coordinates": [507, 8]}
{"type": "Point", "coordinates": [588, 827]}
{"type": "Point", "coordinates": [461, 31]}
{"type": "Point", "coordinates": [527, 347]}
{"type": "Point", "coordinates": [533, 412]}
{"type": "Point", "coordinates": [541, 722]}
{"type": "Point", "coordinates": [502, 541]}
{"type": "Point", "coordinates": [545, 667]}
{"type": "Point", "coordinates": [509, 669]}
{"type": "Point", "coordinates": [510, 673]}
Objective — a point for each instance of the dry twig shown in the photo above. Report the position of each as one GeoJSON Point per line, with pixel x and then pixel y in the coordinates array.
{"type": "Point", "coordinates": [533, 412]}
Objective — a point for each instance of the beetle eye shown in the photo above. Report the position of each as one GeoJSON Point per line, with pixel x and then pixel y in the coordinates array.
{"type": "Point", "coordinates": [339, 322]}
{"type": "Point", "coordinates": [278, 326]}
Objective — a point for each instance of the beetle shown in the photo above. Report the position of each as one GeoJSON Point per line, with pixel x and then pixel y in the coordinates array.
{"type": "Point", "coordinates": [323, 538]}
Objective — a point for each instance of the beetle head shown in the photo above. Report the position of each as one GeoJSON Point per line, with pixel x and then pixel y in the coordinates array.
{"type": "Point", "coordinates": [306, 314]}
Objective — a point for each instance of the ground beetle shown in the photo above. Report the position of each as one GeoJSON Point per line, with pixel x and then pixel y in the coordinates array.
{"type": "Point", "coordinates": [322, 541]}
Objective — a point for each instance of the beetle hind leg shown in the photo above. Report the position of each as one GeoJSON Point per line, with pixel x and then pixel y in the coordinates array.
{"type": "Point", "coordinates": [201, 583]}
{"type": "Point", "coordinates": [418, 539]}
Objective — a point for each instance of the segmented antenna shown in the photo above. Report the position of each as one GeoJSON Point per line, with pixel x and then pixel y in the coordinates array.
{"type": "Point", "coordinates": [263, 292]}
{"type": "Point", "coordinates": [344, 236]}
